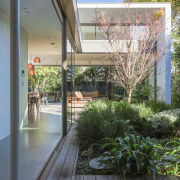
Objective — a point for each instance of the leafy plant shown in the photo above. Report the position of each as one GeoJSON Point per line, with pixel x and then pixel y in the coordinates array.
{"type": "Point", "coordinates": [173, 156]}
{"type": "Point", "coordinates": [83, 168]}
{"type": "Point", "coordinates": [132, 155]}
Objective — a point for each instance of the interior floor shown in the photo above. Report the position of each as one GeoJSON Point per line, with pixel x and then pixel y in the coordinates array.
{"type": "Point", "coordinates": [37, 141]}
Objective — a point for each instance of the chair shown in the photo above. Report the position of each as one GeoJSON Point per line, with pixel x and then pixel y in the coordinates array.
{"type": "Point", "coordinates": [77, 97]}
{"type": "Point", "coordinates": [93, 95]}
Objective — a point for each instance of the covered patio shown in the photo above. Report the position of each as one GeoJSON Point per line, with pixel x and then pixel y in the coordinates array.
{"type": "Point", "coordinates": [37, 142]}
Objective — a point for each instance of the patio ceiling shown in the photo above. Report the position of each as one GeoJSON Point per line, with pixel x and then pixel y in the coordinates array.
{"type": "Point", "coordinates": [81, 59]}
{"type": "Point", "coordinates": [39, 19]}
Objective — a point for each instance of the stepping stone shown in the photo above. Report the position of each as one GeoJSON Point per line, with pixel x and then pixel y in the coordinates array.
{"type": "Point", "coordinates": [94, 164]}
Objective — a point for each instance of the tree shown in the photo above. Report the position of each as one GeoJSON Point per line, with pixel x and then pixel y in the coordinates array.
{"type": "Point", "coordinates": [47, 78]}
{"type": "Point", "coordinates": [175, 44]}
{"type": "Point", "coordinates": [132, 61]}
{"type": "Point", "coordinates": [91, 76]}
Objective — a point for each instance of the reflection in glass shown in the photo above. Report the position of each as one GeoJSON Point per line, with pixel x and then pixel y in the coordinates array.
{"type": "Point", "coordinates": [88, 32]}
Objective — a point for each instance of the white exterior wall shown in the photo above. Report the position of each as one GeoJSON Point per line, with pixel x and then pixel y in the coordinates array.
{"type": "Point", "coordinates": [164, 65]}
{"type": "Point", "coordinates": [5, 76]}
{"type": "Point", "coordinates": [23, 79]}
{"type": "Point", "coordinates": [100, 46]}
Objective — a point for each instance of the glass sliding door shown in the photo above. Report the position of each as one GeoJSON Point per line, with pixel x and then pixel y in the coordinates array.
{"type": "Point", "coordinates": [71, 94]}
{"type": "Point", "coordinates": [5, 90]}
{"type": "Point", "coordinates": [40, 85]}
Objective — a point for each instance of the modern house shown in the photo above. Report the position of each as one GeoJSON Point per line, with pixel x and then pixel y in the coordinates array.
{"type": "Point", "coordinates": [61, 33]}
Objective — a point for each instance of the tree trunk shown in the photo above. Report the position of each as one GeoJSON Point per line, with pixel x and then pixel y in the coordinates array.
{"type": "Point", "coordinates": [129, 97]}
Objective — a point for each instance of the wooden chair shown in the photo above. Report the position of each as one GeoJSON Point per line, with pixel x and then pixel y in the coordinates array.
{"type": "Point", "coordinates": [77, 97]}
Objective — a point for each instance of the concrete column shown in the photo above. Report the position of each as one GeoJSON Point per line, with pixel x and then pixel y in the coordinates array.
{"type": "Point", "coordinates": [14, 88]}
{"type": "Point", "coordinates": [64, 76]}
{"type": "Point", "coordinates": [164, 65]}
{"type": "Point", "coordinates": [168, 55]}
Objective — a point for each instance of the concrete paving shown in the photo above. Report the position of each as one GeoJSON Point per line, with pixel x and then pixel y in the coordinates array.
{"type": "Point", "coordinates": [37, 141]}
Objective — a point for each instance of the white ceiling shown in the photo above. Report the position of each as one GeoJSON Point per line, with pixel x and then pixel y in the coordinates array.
{"type": "Point", "coordinates": [40, 20]}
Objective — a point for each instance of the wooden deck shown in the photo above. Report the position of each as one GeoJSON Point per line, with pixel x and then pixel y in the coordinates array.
{"type": "Point", "coordinates": [65, 165]}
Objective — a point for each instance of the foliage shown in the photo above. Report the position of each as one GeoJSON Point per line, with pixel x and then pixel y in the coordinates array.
{"type": "Point", "coordinates": [173, 157]}
{"type": "Point", "coordinates": [176, 70]}
{"type": "Point", "coordinates": [175, 100]}
{"type": "Point", "coordinates": [157, 106]}
{"type": "Point", "coordinates": [83, 168]}
{"type": "Point", "coordinates": [132, 155]}
{"type": "Point", "coordinates": [91, 75]}
{"type": "Point", "coordinates": [163, 122]}
{"type": "Point", "coordinates": [98, 121]}
{"type": "Point", "coordinates": [137, 114]}
{"type": "Point", "coordinates": [144, 92]}
{"type": "Point", "coordinates": [47, 78]}
{"type": "Point", "coordinates": [102, 119]}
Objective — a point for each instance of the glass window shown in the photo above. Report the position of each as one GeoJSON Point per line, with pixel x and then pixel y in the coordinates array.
{"type": "Point", "coordinates": [88, 32]}
{"type": "Point", "coordinates": [138, 32]}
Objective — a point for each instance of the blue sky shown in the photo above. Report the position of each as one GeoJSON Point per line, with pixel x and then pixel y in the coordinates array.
{"type": "Point", "coordinates": [99, 1]}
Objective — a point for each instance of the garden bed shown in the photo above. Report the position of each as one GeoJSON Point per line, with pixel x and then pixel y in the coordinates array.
{"type": "Point", "coordinates": [133, 139]}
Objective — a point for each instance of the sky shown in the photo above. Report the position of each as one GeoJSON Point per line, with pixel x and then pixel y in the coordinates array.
{"type": "Point", "coordinates": [99, 1]}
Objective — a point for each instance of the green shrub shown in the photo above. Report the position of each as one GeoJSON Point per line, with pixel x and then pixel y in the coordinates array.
{"type": "Point", "coordinates": [134, 111]}
{"type": "Point", "coordinates": [163, 123]}
{"type": "Point", "coordinates": [144, 92]}
{"type": "Point", "coordinates": [102, 119]}
{"type": "Point", "coordinates": [175, 99]}
{"type": "Point", "coordinates": [89, 126]}
{"type": "Point", "coordinates": [132, 155]}
{"type": "Point", "coordinates": [157, 106]}
{"type": "Point", "coordinates": [143, 110]}
{"type": "Point", "coordinates": [99, 120]}
{"type": "Point", "coordinates": [137, 114]}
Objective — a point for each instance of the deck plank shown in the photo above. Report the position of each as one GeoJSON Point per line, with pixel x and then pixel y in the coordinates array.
{"type": "Point", "coordinates": [89, 177]}
{"type": "Point", "coordinates": [67, 171]}
{"type": "Point", "coordinates": [78, 177]}
{"type": "Point", "coordinates": [113, 177]}
{"type": "Point", "coordinates": [101, 177]}
{"type": "Point", "coordinates": [58, 165]}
